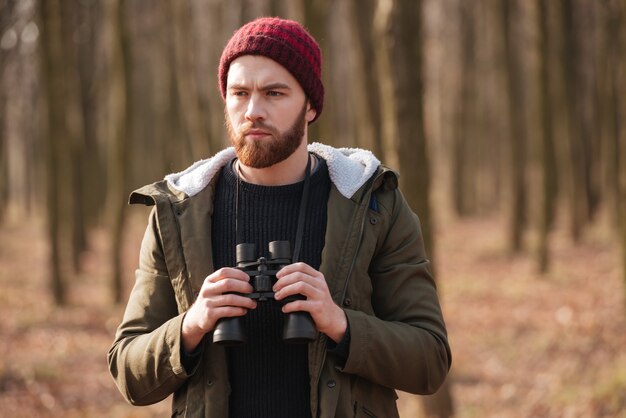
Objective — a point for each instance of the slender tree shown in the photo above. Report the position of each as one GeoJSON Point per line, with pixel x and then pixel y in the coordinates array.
{"type": "Point", "coordinates": [185, 80]}
{"type": "Point", "coordinates": [365, 98]}
{"type": "Point", "coordinates": [121, 119]}
{"type": "Point", "coordinates": [405, 49]}
{"type": "Point", "coordinates": [4, 160]}
{"type": "Point", "coordinates": [517, 131]}
{"type": "Point", "coordinates": [464, 127]}
{"type": "Point", "coordinates": [548, 153]}
{"type": "Point", "coordinates": [609, 104]}
{"type": "Point", "coordinates": [52, 65]}
{"type": "Point", "coordinates": [211, 15]}
{"type": "Point", "coordinates": [576, 164]}
{"type": "Point", "coordinates": [91, 164]}
{"type": "Point", "coordinates": [75, 170]}
{"type": "Point", "coordinates": [315, 16]}
{"type": "Point", "coordinates": [621, 129]}
{"type": "Point", "coordinates": [5, 19]}
{"type": "Point", "coordinates": [400, 32]}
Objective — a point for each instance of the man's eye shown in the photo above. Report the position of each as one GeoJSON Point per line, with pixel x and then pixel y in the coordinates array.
{"type": "Point", "coordinates": [239, 93]}
{"type": "Point", "coordinates": [274, 93]}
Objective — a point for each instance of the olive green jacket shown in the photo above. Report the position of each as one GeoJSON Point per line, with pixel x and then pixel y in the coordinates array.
{"type": "Point", "coordinates": [376, 268]}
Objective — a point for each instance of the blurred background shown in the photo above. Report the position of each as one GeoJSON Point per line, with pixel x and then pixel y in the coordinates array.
{"type": "Point", "coordinates": [506, 119]}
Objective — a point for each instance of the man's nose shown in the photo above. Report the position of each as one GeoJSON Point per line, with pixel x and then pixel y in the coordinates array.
{"type": "Point", "coordinates": [255, 110]}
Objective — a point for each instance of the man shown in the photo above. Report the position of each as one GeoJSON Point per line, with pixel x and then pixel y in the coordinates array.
{"type": "Point", "coordinates": [358, 262]}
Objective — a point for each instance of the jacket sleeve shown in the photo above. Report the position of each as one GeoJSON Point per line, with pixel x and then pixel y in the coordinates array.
{"type": "Point", "coordinates": [404, 345]}
{"type": "Point", "coordinates": [145, 359]}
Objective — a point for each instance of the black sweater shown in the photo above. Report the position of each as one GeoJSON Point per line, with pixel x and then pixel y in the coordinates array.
{"type": "Point", "coordinates": [268, 378]}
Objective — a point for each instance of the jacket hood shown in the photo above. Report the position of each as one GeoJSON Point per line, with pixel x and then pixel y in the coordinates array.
{"type": "Point", "coordinates": [349, 169]}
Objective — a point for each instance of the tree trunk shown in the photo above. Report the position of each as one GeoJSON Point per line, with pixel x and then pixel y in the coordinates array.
{"type": "Point", "coordinates": [517, 130]}
{"type": "Point", "coordinates": [576, 173]}
{"type": "Point", "coordinates": [611, 62]}
{"type": "Point", "coordinates": [211, 15]}
{"type": "Point", "coordinates": [52, 64]}
{"type": "Point", "coordinates": [5, 21]}
{"type": "Point", "coordinates": [185, 80]}
{"type": "Point", "coordinates": [316, 21]}
{"type": "Point", "coordinates": [621, 129]}
{"type": "Point", "coordinates": [389, 132]}
{"type": "Point", "coordinates": [464, 128]}
{"type": "Point", "coordinates": [92, 166]}
{"type": "Point", "coordinates": [548, 153]}
{"type": "Point", "coordinates": [74, 172]}
{"type": "Point", "coordinates": [405, 51]}
{"type": "Point", "coordinates": [366, 99]}
{"type": "Point", "coordinates": [4, 163]}
{"type": "Point", "coordinates": [121, 118]}
{"type": "Point", "coordinates": [400, 27]}
{"type": "Point", "coordinates": [339, 59]}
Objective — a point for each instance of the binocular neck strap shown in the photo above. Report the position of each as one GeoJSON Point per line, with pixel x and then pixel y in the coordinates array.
{"type": "Point", "coordinates": [301, 211]}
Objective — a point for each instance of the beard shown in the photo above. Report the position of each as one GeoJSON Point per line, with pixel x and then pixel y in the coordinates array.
{"type": "Point", "coordinates": [266, 152]}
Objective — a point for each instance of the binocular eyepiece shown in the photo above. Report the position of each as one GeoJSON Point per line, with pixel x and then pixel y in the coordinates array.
{"type": "Point", "coordinates": [298, 328]}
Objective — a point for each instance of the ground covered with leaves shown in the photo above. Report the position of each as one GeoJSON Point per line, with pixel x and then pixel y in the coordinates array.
{"type": "Point", "coordinates": [524, 345]}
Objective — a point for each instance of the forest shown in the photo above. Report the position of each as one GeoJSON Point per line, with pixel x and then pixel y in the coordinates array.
{"type": "Point", "coordinates": [505, 118]}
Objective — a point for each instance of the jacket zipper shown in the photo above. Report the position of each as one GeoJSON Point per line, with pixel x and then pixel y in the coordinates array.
{"type": "Point", "coordinates": [358, 248]}
{"type": "Point", "coordinates": [346, 282]}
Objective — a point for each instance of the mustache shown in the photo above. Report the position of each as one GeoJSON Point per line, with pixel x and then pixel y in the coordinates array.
{"type": "Point", "coordinates": [250, 125]}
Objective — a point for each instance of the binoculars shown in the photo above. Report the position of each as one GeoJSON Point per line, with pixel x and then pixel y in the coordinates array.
{"type": "Point", "coordinates": [298, 327]}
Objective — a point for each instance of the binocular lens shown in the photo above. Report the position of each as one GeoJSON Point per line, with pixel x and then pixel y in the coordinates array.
{"type": "Point", "coordinates": [230, 331]}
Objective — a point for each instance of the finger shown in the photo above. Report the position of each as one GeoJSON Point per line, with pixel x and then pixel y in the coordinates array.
{"type": "Point", "coordinates": [232, 285]}
{"type": "Point", "coordinates": [296, 267]}
{"type": "Point", "coordinates": [298, 288]}
{"type": "Point", "coordinates": [289, 279]}
{"type": "Point", "coordinates": [234, 301]}
{"type": "Point", "coordinates": [228, 312]}
{"type": "Point", "coordinates": [316, 280]}
{"type": "Point", "coordinates": [225, 286]}
{"type": "Point", "coordinates": [296, 306]}
{"type": "Point", "coordinates": [227, 273]}
{"type": "Point", "coordinates": [206, 313]}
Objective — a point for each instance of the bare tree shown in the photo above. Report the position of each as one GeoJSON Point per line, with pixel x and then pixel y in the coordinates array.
{"type": "Point", "coordinates": [579, 168]}
{"type": "Point", "coordinates": [548, 152]}
{"type": "Point", "coordinates": [52, 70]}
{"type": "Point", "coordinates": [365, 98]}
{"type": "Point", "coordinates": [315, 18]}
{"type": "Point", "coordinates": [621, 128]}
{"type": "Point", "coordinates": [517, 132]}
{"type": "Point", "coordinates": [610, 63]}
{"type": "Point", "coordinates": [121, 119]}
{"type": "Point", "coordinates": [464, 129]}
{"type": "Point", "coordinates": [399, 30]}
{"type": "Point", "coordinates": [74, 168]}
{"type": "Point", "coordinates": [184, 77]}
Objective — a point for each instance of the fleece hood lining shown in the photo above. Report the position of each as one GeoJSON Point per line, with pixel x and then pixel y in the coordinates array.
{"type": "Point", "coordinates": [349, 169]}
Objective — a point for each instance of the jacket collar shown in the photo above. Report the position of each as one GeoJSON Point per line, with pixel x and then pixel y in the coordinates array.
{"type": "Point", "coordinates": [349, 169]}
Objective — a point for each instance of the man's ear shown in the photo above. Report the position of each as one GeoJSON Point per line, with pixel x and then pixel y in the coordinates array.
{"type": "Point", "coordinates": [310, 112]}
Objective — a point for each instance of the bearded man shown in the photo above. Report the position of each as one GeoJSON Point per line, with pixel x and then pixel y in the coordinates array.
{"type": "Point", "coordinates": [357, 272]}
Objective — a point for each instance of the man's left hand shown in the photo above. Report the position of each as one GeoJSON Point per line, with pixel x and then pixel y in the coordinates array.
{"type": "Point", "coordinates": [302, 279]}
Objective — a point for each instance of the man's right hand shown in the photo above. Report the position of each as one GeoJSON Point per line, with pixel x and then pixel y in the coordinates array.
{"type": "Point", "coordinates": [214, 302]}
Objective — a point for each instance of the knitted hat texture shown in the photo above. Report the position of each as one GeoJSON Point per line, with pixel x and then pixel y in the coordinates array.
{"type": "Point", "coordinates": [287, 43]}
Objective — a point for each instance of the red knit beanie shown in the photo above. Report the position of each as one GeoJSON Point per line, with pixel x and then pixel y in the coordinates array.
{"type": "Point", "coordinates": [287, 43]}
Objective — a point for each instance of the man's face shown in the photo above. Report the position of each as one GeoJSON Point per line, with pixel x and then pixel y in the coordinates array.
{"type": "Point", "coordinates": [266, 111]}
